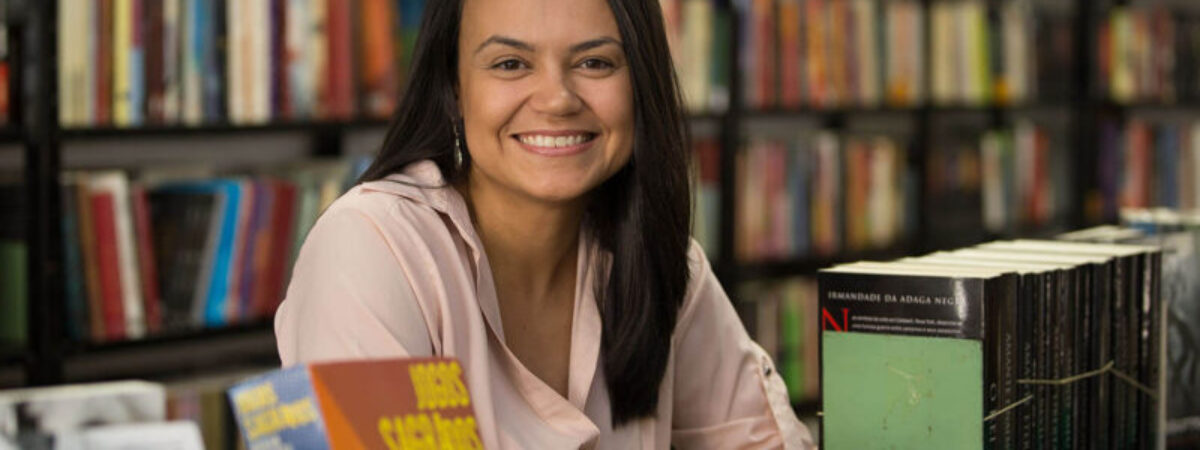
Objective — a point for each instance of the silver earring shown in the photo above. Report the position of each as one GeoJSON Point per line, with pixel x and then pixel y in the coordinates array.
{"type": "Point", "coordinates": [458, 152]}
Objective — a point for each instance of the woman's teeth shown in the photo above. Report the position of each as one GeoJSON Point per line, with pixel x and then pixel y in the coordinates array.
{"type": "Point", "coordinates": [537, 140]}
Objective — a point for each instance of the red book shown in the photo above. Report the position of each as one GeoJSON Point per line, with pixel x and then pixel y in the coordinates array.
{"type": "Point", "coordinates": [390, 403]}
{"type": "Point", "coordinates": [108, 265]}
{"type": "Point", "coordinates": [91, 262]}
{"type": "Point", "coordinates": [152, 300]}
{"type": "Point", "coordinates": [104, 62]}
{"type": "Point", "coordinates": [282, 230]}
{"type": "Point", "coordinates": [340, 101]}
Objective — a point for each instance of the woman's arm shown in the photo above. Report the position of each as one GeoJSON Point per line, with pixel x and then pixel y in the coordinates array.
{"type": "Point", "coordinates": [728, 393]}
{"type": "Point", "coordinates": [349, 297]}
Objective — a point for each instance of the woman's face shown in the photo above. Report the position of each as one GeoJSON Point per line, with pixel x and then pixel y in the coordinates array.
{"type": "Point", "coordinates": [545, 94]}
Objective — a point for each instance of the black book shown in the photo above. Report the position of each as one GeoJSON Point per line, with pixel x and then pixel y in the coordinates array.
{"type": "Point", "coordinates": [1135, 308]}
{"type": "Point", "coordinates": [182, 222]}
{"type": "Point", "coordinates": [976, 304]}
{"type": "Point", "coordinates": [1080, 421]}
{"type": "Point", "coordinates": [1029, 419]}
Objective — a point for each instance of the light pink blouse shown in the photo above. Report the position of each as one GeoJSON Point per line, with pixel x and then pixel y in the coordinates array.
{"type": "Point", "coordinates": [393, 270]}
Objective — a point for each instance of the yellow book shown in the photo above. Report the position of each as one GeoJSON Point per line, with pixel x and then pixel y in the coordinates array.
{"type": "Point", "coordinates": [122, 42]}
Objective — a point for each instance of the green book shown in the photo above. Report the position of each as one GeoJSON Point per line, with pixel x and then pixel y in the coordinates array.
{"type": "Point", "coordinates": [913, 357]}
{"type": "Point", "coordinates": [13, 279]}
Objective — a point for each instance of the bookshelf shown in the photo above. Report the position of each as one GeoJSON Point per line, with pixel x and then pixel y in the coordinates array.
{"type": "Point", "coordinates": [53, 359]}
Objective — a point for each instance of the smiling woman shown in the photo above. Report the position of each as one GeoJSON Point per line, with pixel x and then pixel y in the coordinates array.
{"type": "Point", "coordinates": [529, 215]}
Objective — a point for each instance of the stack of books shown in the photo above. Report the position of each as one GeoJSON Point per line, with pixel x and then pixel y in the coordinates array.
{"type": "Point", "coordinates": [1012, 344]}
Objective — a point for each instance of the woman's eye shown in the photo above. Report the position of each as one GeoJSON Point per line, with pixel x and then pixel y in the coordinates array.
{"type": "Point", "coordinates": [509, 65]}
{"type": "Point", "coordinates": [596, 64]}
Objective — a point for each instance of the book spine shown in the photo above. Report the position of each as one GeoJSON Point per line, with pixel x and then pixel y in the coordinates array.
{"type": "Point", "coordinates": [147, 264]}
{"type": "Point", "coordinates": [77, 305]}
{"type": "Point", "coordinates": [108, 265]}
{"type": "Point", "coordinates": [154, 51]}
{"type": "Point", "coordinates": [104, 63]}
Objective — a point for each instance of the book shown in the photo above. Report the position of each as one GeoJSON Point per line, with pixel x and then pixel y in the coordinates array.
{"type": "Point", "coordinates": [396, 403]}
{"type": "Point", "coordinates": [52, 417]}
{"type": "Point", "coordinates": [925, 347]}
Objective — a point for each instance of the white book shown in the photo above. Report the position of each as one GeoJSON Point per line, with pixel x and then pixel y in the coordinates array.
{"type": "Point", "coordinates": [117, 184]}
{"type": "Point", "coordinates": [262, 61]}
{"type": "Point", "coordinates": [61, 410]}
{"type": "Point", "coordinates": [177, 435]}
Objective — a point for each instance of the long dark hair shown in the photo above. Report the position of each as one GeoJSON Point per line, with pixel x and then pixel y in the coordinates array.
{"type": "Point", "coordinates": [641, 215]}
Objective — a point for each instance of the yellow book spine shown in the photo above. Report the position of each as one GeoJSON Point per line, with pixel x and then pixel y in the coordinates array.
{"type": "Point", "coordinates": [122, 40]}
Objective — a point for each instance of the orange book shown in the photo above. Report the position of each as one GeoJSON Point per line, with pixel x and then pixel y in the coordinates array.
{"type": "Point", "coordinates": [379, 79]}
{"type": "Point", "coordinates": [385, 404]}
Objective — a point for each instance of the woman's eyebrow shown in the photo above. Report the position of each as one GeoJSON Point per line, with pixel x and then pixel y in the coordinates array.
{"type": "Point", "coordinates": [588, 45]}
{"type": "Point", "coordinates": [525, 46]}
{"type": "Point", "coordinates": [505, 40]}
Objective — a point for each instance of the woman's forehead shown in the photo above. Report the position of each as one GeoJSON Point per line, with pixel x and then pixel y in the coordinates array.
{"type": "Point", "coordinates": [550, 22]}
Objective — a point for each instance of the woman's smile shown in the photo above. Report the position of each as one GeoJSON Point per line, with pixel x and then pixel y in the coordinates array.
{"type": "Point", "coordinates": [556, 142]}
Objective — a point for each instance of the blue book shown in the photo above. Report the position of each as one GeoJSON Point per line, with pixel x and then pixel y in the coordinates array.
{"type": "Point", "coordinates": [1167, 154]}
{"type": "Point", "coordinates": [77, 306]}
{"type": "Point", "coordinates": [801, 163]}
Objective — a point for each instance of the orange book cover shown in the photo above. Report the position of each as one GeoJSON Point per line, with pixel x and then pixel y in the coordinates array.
{"type": "Point", "coordinates": [419, 403]}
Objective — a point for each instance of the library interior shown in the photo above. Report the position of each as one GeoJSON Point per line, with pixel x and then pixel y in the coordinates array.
{"type": "Point", "coordinates": [950, 223]}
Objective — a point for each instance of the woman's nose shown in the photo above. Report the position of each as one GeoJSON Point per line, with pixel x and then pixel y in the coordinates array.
{"type": "Point", "coordinates": [555, 94]}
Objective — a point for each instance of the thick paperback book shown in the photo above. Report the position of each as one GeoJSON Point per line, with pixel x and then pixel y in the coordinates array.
{"type": "Point", "coordinates": [387, 404]}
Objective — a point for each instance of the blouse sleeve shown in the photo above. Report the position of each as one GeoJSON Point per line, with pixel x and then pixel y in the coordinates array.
{"type": "Point", "coordinates": [348, 297]}
{"type": "Point", "coordinates": [728, 393]}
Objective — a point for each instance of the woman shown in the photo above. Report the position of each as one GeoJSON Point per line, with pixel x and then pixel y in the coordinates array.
{"type": "Point", "coordinates": [530, 218]}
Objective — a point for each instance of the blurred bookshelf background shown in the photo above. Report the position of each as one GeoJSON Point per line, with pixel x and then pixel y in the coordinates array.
{"type": "Point", "coordinates": [160, 161]}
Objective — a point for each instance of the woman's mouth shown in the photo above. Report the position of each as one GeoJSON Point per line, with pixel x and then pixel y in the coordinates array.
{"type": "Point", "coordinates": [556, 143]}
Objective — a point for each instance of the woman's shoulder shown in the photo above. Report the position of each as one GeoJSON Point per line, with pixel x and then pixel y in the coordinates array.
{"type": "Point", "coordinates": [405, 209]}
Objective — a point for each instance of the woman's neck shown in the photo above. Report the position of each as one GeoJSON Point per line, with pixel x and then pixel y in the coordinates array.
{"type": "Point", "coordinates": [532, 246]}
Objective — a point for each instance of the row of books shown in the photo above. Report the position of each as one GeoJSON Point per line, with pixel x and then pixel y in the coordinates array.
{"type": "Point", "coordinates": [1023, 178]}
{"type": "Point", "coordinates": [1148, 55]}
{"type": "Point", "coordinates": [1178, 232]}
{"type": "Point", "coordinates": [129, 63]}
{"type": "Point", "coordinates": [829, 53]}
{"type": "Point", "coordinates": [870, 53]}
{"type": "Point", "coordinates": [1010, 344]}
{"type": "Point", "coordinates": [160, 253]}
{"type": "Point", "coordinates": [1144, 164]}
{"type": "Point", "coordinates": [820, 194]}
{"type": "Point", "coordinates": [783, 316]}
{"type": "Point", "coordinates": [700, 33]}
{"type": "Point", "coordinates": [995, 181]}
{"type": "Point", "coordinates": [980, 58]}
